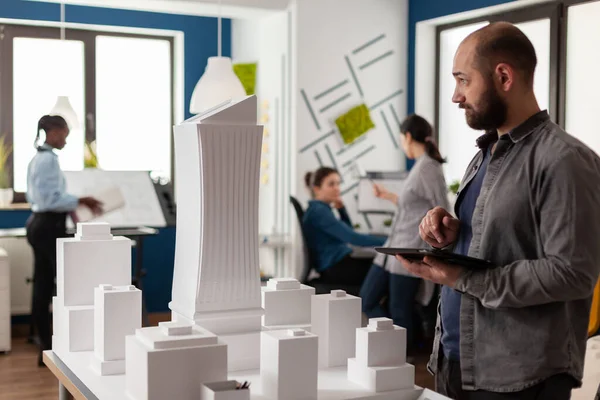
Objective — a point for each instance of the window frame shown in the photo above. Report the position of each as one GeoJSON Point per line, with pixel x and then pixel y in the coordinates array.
{"type": "Point", "coordinates": [88, 36]}
{"type": "Point", "coordinates": [552, 11]}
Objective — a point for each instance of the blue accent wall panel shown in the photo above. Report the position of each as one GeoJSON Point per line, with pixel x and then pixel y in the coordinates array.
{"type": "Point", "coordinates": [200, 32]}
{"type": "Point", "coordinates": [200, 35]}
{"type": "Point", "coordinates": [422, 10]}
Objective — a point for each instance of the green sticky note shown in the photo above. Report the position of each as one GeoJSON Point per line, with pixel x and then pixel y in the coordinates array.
{"type": "Point", "coordinates": [247, 75]}
{"type": "Point", "coordinates": [354, 123]}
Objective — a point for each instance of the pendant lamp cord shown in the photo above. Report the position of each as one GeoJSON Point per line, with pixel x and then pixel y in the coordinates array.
{"type": "Point", "coordinates": [62, 21]}
{"type": "Point", "coordinates": [219, 30]}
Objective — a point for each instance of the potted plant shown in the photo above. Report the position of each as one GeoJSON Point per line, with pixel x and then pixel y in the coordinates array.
{"type": "Point", "coordinates": [6, 191]}
{"type": "Point", "coordinates": [90, 159]}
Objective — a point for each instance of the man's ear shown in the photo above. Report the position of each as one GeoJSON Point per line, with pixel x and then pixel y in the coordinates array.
{"type": "Point", "coordinates": [505, 75]}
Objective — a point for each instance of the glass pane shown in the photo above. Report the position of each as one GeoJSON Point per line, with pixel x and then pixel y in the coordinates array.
{"type": "Point", "coordinates": [539, 34]}
{"type": "Point", "coordinates": [133, 104]}
{"type": "Point", "coordinates": [43, 70]}
{"type": "Point", "coordinates": [457, 140]}
{"type": "Point", "coordinates": [583, 58]}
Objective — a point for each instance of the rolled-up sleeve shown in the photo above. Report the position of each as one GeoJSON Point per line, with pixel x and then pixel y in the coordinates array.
{"type": "Point", "coordinates": [569, 223]}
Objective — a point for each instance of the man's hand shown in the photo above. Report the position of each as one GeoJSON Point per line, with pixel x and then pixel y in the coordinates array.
{"type": "Point", "coordinates": [434, 270]}
{"type": "Point", "coordinates": [94, 205]}
{"type": "Point", "coordinates": [439, 228]}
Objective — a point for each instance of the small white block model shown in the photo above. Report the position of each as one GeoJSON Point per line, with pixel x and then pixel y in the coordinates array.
{"type": "Point", "coordinates": [172, 361]}
{"type": "Point", "coordinates": [286, 303]}
{"type": "Point", "coordinates": [335, 318]}
{"type": "Point", "coordinates": [289, 364]}
{"type": "Point", "coordinates": [380, 363]}
{"type": "Point", "coordinates": [91, 258]}
{"type": "Point", "coordinates": [117, 314]}
{"type": "Point", "coordinates": [224, 391]}
{"type": "Point", "coordinates": [73, 327]}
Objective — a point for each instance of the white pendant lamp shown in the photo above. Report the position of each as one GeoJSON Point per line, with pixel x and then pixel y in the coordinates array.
{"type": "Point", "coordinates": [63, 106]}
{"type": "Point", "coordinates": [218, 84]}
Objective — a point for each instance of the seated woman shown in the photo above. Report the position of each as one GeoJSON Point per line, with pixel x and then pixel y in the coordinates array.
{"type": "Point", "coordinates": [423, 189]}
{"type": "Point", "coordinates": [328, 237]}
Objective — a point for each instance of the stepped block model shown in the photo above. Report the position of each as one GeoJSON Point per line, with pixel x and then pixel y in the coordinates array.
{"type": "Point", "coordinates": [289, 364]}
{"type": "Point", "coordinates": [172, 361]}
{"type": "Point", "coordinates": [216, 281]}
{"type": "Point", "coordinates": [117, 314]}
{"type": "Point", "coordinates": [93, 257]}
{"type": "Point", "coordinates": [380, 363]}
{"type": "Point", "coordinates": [335, 318]}
{"type": "Point", "coordinates": [286, 303]}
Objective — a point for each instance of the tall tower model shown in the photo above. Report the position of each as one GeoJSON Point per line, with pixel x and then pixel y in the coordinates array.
{"type": "Point", "coordinates": [216, 282]}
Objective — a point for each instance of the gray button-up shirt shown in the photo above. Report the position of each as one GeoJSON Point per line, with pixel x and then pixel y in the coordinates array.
{"type": "Point", "coordinates": [538, 218]}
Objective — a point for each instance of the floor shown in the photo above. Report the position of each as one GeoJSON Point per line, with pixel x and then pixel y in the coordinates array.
{"type": "Point", "coordinates": [21, 378]}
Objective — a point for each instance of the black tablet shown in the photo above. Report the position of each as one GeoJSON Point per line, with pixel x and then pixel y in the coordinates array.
{"type": "Point", "coordinates": [449, 257]}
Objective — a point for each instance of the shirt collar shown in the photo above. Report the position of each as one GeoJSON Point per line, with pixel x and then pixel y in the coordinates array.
{"type": "Point", "coordinates": [517, 134]}
{"type": "Point", "coordinates": [46, 146]}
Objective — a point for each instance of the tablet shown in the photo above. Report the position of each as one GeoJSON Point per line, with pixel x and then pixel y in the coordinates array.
{"type": "Point", "coordinates": [449, 257]}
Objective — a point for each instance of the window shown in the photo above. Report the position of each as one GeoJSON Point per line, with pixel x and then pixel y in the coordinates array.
{"type": "Point", "coordinates": [456, 138]}
{"type": "Point", "coordinates": [120, 86]}
{"type": "Point", "coordinates": [36, 84]}
{"type": "Point", "coordinates": [581, 65]}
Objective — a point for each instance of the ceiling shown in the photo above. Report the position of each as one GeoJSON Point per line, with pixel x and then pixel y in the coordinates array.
{"type": "Point", "coordinates": [240, 9]}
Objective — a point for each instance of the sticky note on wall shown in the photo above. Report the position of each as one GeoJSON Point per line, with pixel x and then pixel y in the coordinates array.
{"type": "Point", "coordinates": [354, 123]}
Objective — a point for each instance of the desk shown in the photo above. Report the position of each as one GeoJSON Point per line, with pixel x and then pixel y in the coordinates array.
{"type": "Point", "coordinates": [78, 381]}
{"type": "Point", "coordinates": [69, 386]}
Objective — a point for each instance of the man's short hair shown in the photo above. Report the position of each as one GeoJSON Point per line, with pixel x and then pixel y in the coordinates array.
{"type": "Point", "coordinates": [502, 42]}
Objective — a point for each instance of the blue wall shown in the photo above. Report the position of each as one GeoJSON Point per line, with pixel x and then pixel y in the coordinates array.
{"type": "Point", "coordinates": [421, 10]}
{"type": "Point", "coordinates": [200, 43]}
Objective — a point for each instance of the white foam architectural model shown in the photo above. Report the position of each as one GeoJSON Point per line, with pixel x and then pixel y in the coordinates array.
{"type": "Point", "coordinates": [289, 364]}
{"type": "Point", "coordinates": [287, 304]}
{"type": "Point", "coordinates": [335, 318]}
{"type": "Point", "coordinates": [91, 258]}
{"type": "Point", "coordinates": [172, 361]}
{"type": "Point", "coordinates": [216, 282]}
{"type": "Point", "coordinates": [380, 363]}
{"type": "Point", "coordinates": [224, 391]}
{"type": "Point", "coordinates": [117, 314]}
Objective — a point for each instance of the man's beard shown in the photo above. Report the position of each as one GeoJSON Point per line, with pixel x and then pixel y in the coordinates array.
{"type": "Point", "coordinates": [492, 112]}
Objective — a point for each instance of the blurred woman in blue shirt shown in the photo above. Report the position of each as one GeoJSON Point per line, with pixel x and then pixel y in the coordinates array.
{"type": "Point", "coordinates": [328, 237]}
{"type": "Point", "coordinates": [50, 203]}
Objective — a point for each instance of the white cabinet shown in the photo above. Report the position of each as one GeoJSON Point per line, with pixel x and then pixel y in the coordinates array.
{"type": "Point", "coordinates": [4, 301]}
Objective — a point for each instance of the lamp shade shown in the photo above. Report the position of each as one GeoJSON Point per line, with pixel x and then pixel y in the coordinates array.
{"type": "Point", "coordinates": [63, 108]}
{"type": "Point", "coordinates": [218, 84]}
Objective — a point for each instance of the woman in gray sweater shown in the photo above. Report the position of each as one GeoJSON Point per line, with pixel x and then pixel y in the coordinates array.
{"type": "Point", "coordinates": [423, 189]}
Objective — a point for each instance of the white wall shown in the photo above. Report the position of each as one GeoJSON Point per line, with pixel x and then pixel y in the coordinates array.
{"type": "Point", "coordinates": [333, 39]}
{"type": "Point", "coordinates": [310, 49]}
{"type": "Point", "coordinates": [267, 42]}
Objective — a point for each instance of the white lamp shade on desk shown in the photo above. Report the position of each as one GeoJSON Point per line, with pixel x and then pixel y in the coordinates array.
{"type": "Point", "coordinates": [63, 108]}
{"type": "Point", "coordinates": [218, 84]}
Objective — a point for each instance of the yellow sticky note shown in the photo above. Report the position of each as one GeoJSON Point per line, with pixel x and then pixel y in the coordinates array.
{"type": "Point", "coordinates": [265, 148]}
{"type": "Point", "coordinates": [264, 163]}
{"type": "Point", "coordinates": [265, 179]}
{"type": "Point", "coordinates": [264, 118]}
{"type": "Point", "coordinates": [266, 132]}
